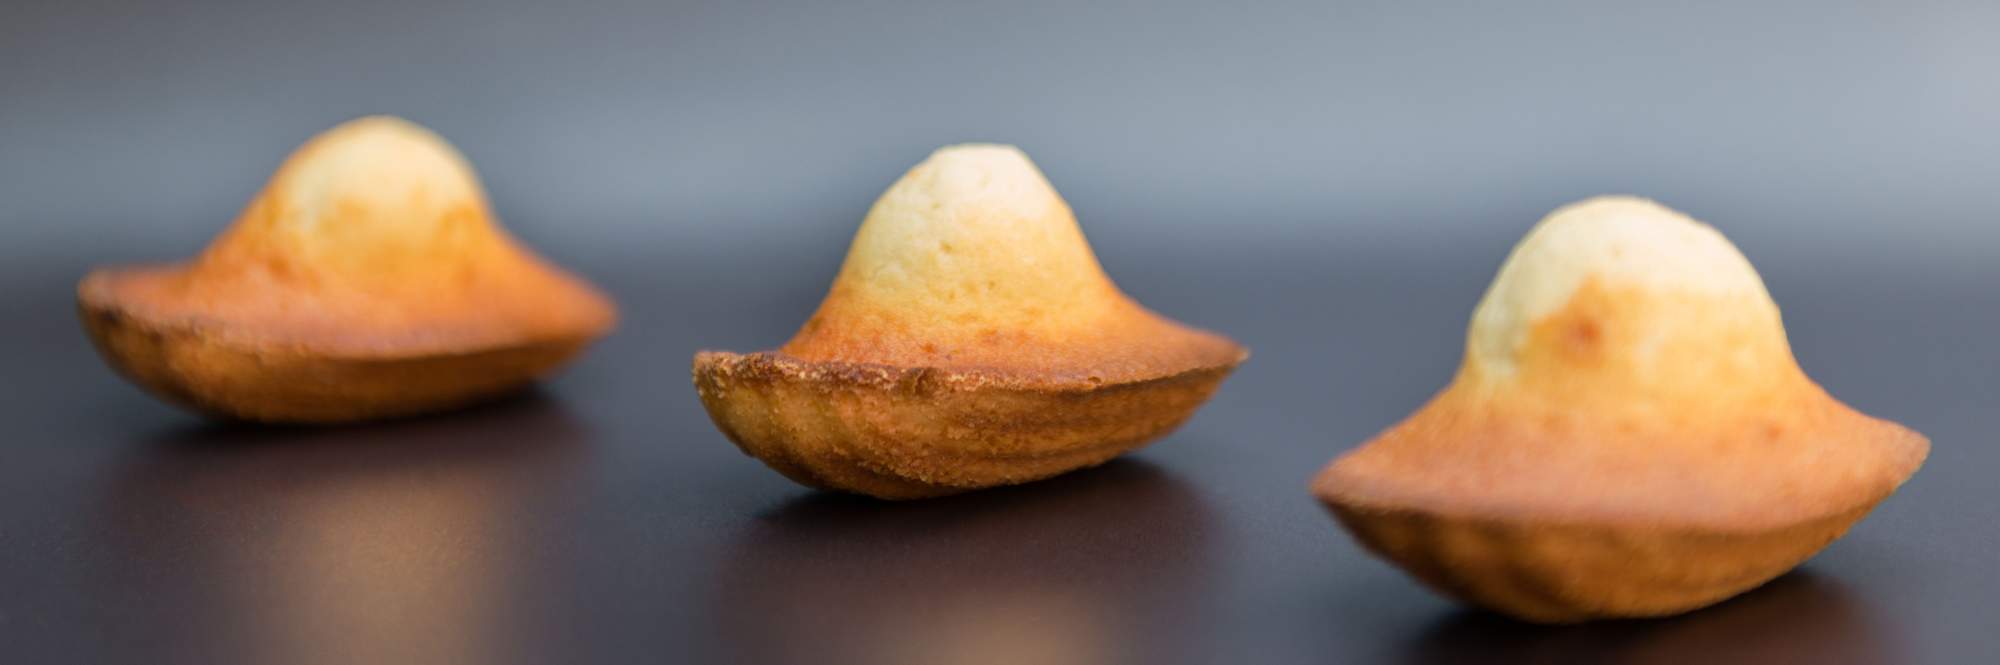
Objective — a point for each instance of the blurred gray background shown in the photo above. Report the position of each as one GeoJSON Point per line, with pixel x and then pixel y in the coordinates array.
{"type": "Point", "coordinates": [1862, 132]}
{"type": "Point", "coordinates": [1331, 183]}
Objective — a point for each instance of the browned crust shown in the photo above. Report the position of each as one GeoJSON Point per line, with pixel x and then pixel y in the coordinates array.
{"type": "Point", "coordinates": [205, 368]}
{"type": "Point", "coordinates": [904, 433]}
{"type": "Point", "coordinates": [1549, 514]}
{"type": "Point", "coordinates": [1552, 513]}
{"type": "Point", "coordinates": [1562, 573]}
{"type": "Point", "coordinates": [1126, 343]}
{"type": "Point", "coordinates": [1804, 458]}
{"type": "Point", "coordinates": [532, 303]}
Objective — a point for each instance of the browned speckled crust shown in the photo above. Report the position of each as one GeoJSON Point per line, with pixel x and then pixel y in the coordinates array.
{"type": "Point", "coordinates": [970, 340]}
{"type": "Point", "coordinates": [905, 433]}
{"type": "Point", "coordinates": [203, 368]}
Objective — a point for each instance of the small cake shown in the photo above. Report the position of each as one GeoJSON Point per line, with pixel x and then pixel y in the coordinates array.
{"type": "Point", "coordinates": [367, 280]}
{"type": "Point", "coordinates": [970, 340]}
{"type": "Point", "coordinates": [1629, 434]}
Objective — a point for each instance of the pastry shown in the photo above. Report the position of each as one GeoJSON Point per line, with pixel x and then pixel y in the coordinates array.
{"type": "Point", "coordinates": [1628, 435]}
{"type": "Point", "coordinates": [368, 279]}
{"type": "Point", "coordinates": [970, 340]}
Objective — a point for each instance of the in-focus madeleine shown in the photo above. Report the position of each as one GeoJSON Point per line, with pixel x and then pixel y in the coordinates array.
{"type": "Point", "coordinates": [368, 279]}
{"type": "Point", "coordinates": [970, 340]}
{"type": "Point", "coordinates": [1629, 434]}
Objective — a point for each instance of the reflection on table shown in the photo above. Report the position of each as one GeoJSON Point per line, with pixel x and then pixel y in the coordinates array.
{"type": "Point", "coordinates": [1801, 617]}
{"type": "Point", "coordinates": [1062, 571]}
{"type": "Point", "coordinates": [394, 542]}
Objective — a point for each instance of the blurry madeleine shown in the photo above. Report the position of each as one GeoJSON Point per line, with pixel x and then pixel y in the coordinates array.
{"type": "Point", "coordinates": [367, 280]}
{"type": "Point", "coordinates": [970, 340]}
{"type": "Point", "coordinates": [1628, 435]}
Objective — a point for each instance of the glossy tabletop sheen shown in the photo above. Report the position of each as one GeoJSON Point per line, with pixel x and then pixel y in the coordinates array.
{"type": "Point", "coordinates": [601, 518]}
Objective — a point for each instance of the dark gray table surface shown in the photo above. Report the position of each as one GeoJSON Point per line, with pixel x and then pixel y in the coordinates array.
{"type": "Point", "coordinates": [601, 518]}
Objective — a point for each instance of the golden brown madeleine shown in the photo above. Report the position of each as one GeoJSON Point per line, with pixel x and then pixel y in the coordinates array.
{"type": "Point", "coordinates": [367, 280]}
{"type": "Point", "coordinates": [1629, 434]}
{"type": "Point", "coordinates": [970, 340]}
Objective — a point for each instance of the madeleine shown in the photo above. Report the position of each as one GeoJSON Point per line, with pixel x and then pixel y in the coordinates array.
{"type": "Point", "coordinates": [368, 279]}
{"type": "Point", "coordinates": [1628, 435]}
{"type": "Point", "coordinates": [970, 340]}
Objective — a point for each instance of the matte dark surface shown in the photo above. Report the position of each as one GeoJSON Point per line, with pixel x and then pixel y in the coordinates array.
{"type": "Point", "coordinates": [602, 518]}
{"type": "Point", "coordinates": [1332, 183]}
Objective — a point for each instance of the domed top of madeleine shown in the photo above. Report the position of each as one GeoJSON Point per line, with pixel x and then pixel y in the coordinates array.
{"type": "Point", "coordinates": [972, 262]}
{"type": "Point", "coordinates": [375, 203]}
{"type": "Point", "coordinates": [1634, 297]}
{"type": "Point", "coordinates": [372, 238]}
